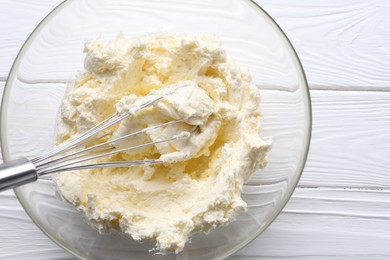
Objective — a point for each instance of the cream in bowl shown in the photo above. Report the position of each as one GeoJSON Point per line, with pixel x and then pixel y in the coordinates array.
{"type": "Point", "coordinates": [197, 186]}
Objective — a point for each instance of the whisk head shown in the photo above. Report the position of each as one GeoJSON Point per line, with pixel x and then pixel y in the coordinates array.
{"type": "Point", "coordinates": [75, 154]}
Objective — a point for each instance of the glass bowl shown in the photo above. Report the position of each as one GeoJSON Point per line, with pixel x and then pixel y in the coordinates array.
{"type": "Point", "coordinates": [53, 54]}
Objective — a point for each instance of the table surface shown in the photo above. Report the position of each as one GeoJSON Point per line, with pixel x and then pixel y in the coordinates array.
{"type": "Point", "coordinates": [341, 208]}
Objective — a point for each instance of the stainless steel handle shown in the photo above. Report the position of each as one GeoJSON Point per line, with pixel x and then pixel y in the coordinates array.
{"type": "Point", "coordinates": [16, 173]}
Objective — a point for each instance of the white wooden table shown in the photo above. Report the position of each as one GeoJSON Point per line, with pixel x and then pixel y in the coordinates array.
{"type": "Point", "coordinates": [341, 209]}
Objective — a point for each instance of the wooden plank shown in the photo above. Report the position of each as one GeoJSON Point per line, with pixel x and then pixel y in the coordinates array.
{"type": "Point", "coordinates": [17, 229]}
{"type": "Point", "coordinates": [342, 44]}
{"type": "Point", "coordinates": [17, 20]}
{"type": "Point", "coordinates": [354, 224]}
{"type": "Point", "coordinates": [328, 223]}
{"type": "Point", "coordinates": [350, 141]}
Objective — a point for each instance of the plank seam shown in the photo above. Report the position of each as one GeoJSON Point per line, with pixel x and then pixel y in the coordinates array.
{"type": "Point", "coordinates": [311, 87]}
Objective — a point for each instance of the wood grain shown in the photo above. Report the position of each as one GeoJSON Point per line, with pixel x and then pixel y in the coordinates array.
{"type": "Point", "coordinates": [350, 140]}
{"type": "Point", "coordinates": [17, 20]}
{"type": "Point", "coordinates": [328, 223]}
{"type": "Point", "coordinates": [17, 229]}
{"type": "Point", "coordinates": [342, 44]}
{"type": "Point", "coordinates": [354, 223]}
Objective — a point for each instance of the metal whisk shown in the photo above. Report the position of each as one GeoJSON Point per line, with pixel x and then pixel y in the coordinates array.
{"type": "Point", "coordinates": [75, 154]}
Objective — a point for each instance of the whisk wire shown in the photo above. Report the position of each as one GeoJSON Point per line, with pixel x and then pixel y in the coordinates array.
{"type": "Point", "coordinates": [70, 156]}
{"type": "Point", "coordinates": [62, 157]}
{"type": "Point", "coordinates": [108, 122]}
{"type": "Point", "coordinates": [91, 145]}
{"type": "Point", "coordinates": [63, 167]}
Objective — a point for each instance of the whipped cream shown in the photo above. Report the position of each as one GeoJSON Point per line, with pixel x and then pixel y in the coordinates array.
{"type": "Point", "coordinates": [197, 186]}
{"type": "Point", "coordinates": [184, 101]}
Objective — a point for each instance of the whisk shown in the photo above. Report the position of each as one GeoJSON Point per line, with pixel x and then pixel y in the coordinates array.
{"type": "Point", "coordinates": [75, 154]}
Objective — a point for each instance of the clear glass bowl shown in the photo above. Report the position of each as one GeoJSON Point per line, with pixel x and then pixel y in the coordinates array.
{"type": "Point", "coordinates": [51, 57]}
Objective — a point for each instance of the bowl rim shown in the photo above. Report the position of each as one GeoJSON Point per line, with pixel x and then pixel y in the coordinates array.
{"type": "Point", "coordinates": [290, 190]}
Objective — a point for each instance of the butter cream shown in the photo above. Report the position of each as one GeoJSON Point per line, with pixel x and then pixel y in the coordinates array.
{"type": "Point", "coordinates": [198, 185]}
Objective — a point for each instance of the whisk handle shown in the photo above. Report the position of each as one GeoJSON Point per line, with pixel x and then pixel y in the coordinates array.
{"type": "Point", "coordinates": [16, 173]}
